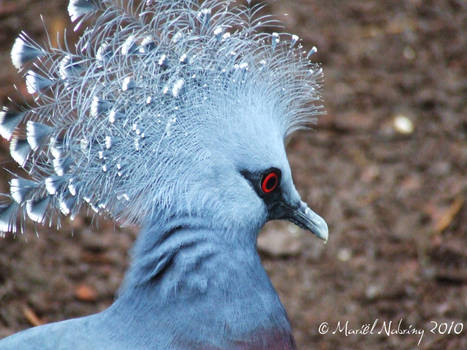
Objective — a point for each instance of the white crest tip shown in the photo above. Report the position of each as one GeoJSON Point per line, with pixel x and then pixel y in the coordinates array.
{"type": "Point", "coordinates": [37, 133]}
{"type": "Point", "coordinates": [23, 51]}
{"type": "Point", "coordinates": [36, 82]}
{"type": "Point", "coordinates": [9, 120]}
{"type": "Point", "coordinates": [79, 8]}
{"type": "Point", "coordinates": [36, 209]}
{"type": "Point", "coordinates": [19, 151]}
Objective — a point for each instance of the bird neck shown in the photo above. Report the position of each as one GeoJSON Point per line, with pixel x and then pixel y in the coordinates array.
{"type": "Point", "coordinates": [183, 273]}
{"type": "Point", "coordinates": [182, 253]}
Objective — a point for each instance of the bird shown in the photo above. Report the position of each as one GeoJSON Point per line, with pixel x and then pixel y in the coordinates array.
{"type": "Point", "coordinates": [174, 116]}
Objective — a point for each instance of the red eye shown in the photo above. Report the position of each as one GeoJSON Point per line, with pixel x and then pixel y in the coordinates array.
{"type": "Point", "coordinates": [270, 182]}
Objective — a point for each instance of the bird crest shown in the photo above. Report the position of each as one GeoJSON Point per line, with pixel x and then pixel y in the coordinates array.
{"type": "Point", "coordinates": [119, 116]}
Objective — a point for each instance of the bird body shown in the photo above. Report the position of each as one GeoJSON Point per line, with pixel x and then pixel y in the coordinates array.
{"type": "Point", "coordinates": [172, 115]}
{"type": "Point", "coordinates": [184, 301]}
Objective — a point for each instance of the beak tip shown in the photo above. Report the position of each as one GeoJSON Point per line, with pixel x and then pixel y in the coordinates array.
{"type": "Point", "coordinates": [323, 232]}
{"type": "Point", "coordinates": [309, 220]}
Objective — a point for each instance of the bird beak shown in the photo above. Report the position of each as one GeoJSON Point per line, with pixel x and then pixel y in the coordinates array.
{"type": "Point", "coordinates": [307, 219]}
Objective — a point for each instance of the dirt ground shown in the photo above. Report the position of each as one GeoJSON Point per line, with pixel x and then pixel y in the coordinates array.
{"type": "Point", "coordinates": [386, 167]}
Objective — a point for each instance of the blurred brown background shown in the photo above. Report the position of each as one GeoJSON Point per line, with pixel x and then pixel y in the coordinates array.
{"type": "Point", "coordinates": [386, 168]}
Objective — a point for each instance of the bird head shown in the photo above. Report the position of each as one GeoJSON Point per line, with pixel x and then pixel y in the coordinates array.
{"type": "Point", "coordinates": [240, 175]}
{"type": "Point", "coordinates": [184, 111]}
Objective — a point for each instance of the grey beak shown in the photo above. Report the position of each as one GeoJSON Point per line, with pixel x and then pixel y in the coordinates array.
{"type": "Point", "coordinates": [307, 219]}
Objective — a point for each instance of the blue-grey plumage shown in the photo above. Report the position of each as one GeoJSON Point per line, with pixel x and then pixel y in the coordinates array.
{"type": "Point", "coordinates": [188, 288]}
{"type": "Point", "coordinates": [173, 115]}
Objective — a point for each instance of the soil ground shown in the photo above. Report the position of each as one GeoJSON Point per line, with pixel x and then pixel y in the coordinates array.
{"type": "Point", "coordinates": [394, 201]}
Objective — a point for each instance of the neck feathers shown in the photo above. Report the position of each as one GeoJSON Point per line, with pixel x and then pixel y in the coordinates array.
{"type": "Point", "coordinates": [182, 276]}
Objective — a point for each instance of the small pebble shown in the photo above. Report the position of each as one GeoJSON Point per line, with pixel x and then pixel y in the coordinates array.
{"type": "Point", "coordinates": [281, 241]}
{"type": "Point", "coordinates": [85, 293]}
{"type": "Point", "coordinates": [344, 254]}
{"type": "Point", "coordinates": [403, 124]}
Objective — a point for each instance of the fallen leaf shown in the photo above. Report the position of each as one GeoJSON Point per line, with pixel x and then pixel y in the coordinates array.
{"type": "Point", "coordinates": [31, 316]}
{"type": "Point", "coordinates": [448, 216]}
